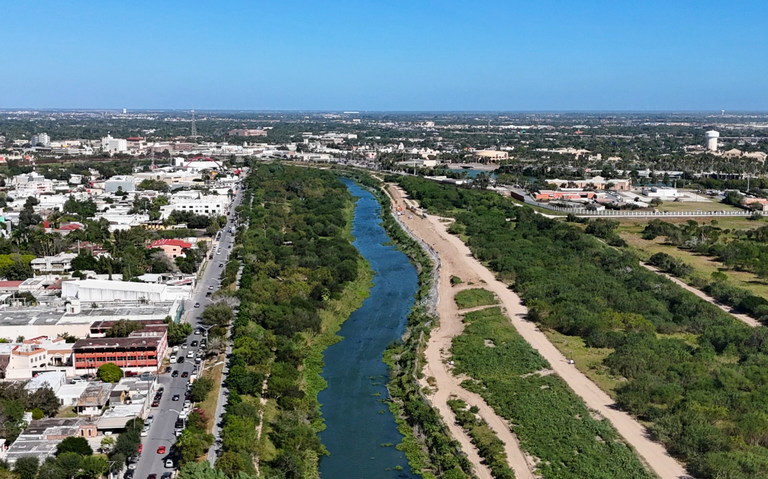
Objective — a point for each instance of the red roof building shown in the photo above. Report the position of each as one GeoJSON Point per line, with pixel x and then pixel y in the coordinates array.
{"type": "Point", "coordinates": [172, 248]}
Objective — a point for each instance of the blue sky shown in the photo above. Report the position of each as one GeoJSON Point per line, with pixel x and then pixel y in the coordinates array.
{"type": "Point", "coordinates": [385, 55]}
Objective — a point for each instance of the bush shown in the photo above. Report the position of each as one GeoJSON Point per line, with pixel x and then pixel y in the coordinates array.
{"type": "Point", "coordinates": [109, 373]}
{"type": "Point", "coordinates": [201, 388]}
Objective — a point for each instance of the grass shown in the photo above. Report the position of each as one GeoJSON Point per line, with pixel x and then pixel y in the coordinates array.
{"type": "Point", "coordinates": [471, 298]}
{"type": "Point", "coordinates": [725, 222]}
{"type": "Point", "coordinates": [209, 405]}
{"type": "Point", "coordinates": [703, 265]}
{"type": "Point", "coordinates": [588, 360]}
{"type": "Point", "coordinates": [551, 422]}
{"type": "Point", "coordinates": [696, 206]}
{"type": "Point", "coordinates": [66, 411]}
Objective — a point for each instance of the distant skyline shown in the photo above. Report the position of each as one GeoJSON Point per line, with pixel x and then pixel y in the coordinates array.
{"type": "Point", "coordinates": [386, 56]}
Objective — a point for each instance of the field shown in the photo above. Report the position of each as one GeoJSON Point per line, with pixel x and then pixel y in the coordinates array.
{"type": "Point", "coordinates": [703, 265]}
{"type": "Point", "coordinates": [515, 380]}
{"type": "Point", "coordinates": [696, 206]}
{"type": "Point", "coordinates": [471, 298]}
{"type": "Point", "coordinates": [588, 360]}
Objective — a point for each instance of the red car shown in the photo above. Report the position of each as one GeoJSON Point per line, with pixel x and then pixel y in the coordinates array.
{"type": "Point", "coordinates": [161, 450]}
{"type": "Point", "coordinates": [141, 448]}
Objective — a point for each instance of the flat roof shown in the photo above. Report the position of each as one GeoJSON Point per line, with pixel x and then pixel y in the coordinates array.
{"type": "Point", "coordinates": [119, 285]}
{"type": "Point", "coordinates": [95, 344]}
{"type": "Point", "coordinates": [51, 316]}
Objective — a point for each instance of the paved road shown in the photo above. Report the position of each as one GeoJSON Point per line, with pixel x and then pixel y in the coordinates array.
{"type": "Point", "coordinates": [161, 431]}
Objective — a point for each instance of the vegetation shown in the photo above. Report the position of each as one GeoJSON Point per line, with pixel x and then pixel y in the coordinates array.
{"type": "Point", "coordinates": [74, 444]}
{"type": "Point", "coordinates": [177, 332]}
{"type": "Point", "coordinates": [490, 447]}
{"type": "Point", "coordinates": [201, 388]}
{"type": "Point", "coordinates": [541, 407]}
{"type": "Point", "coordinates": [15, 400]}
{"type": "Point", "coordinates": [471, 298]}
{"type": "Point", "coordinates": [123, 328]}
{"type": "Point", "coordinates": [194, 440]}
{"type": "Point", "coordinates": [109, 373]}
{"type": "Point", "coordinates": [690, 371]}
{"type": "Point", "coordinates": [297, 262]}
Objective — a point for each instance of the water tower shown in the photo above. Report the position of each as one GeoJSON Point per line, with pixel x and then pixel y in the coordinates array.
{"type": "Point", "coordinates": [712, 137]}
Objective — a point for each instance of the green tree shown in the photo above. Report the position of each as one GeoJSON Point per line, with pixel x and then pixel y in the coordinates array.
{"type": "Point", "coordinates": [93, 467]}
{"type": "Point", "coordinates": [69, 462]}
{"type": "Point", "coordinates": [201, 388]}
{"type": "Point", "coordinates": [75, 444]}
{"type": "Point", "coordinates": [107, 442]}
{"type": "Point", "coordinates": [109, 373]}
{"type": "Point", "coordinates": [37, 413]}
{"type": "Point", "coordinates": [231, 464]}
{"type": "Point", "coordinates": [123, 328]}
{"type": "Point", "coordinates": [26, 467]}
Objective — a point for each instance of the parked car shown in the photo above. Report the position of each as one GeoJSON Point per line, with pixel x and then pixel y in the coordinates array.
{"type": "Point", "coordinates": [175, 374]}
{"type": "Point", "coordinates": [155, 403]}
{"type": "Point", "coordinates": [197, 305]}
{"type": "Point", "coordinates": [194, 344]}
{"type": "Point", "coordinates": [169, 463]}
{"type": "Point", "coordinates": [185, 374]}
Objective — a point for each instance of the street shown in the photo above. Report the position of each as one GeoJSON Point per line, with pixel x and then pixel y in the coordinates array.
{"type": "Point", "coordinates": [161, 432]}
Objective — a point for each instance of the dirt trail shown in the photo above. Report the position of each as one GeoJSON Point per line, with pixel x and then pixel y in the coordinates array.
{"type": "Point", "coordinates": [439, 347]}
{"type": "Point", "coordinates": [740, 317]}
{"type": "Point", "coordinates": [457, 260]}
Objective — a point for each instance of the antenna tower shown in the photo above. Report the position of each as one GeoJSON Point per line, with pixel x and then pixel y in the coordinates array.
{"type": "Point", "coordinates": [194, 129]}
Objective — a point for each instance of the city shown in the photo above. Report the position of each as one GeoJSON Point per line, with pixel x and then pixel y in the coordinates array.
{"type": "Point", "coordinates": [384, 240]}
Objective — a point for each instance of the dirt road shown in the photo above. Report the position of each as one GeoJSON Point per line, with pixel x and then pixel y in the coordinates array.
{"type": "Point", "coordinates": [741, 317]}
{"type": "Point", "coordinates": [458, 260]}
{"type": "Point", "coordinates": [438, 349]}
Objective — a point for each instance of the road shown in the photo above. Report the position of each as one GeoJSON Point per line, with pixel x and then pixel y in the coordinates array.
{"type": "Point", "coordinates": [448, 246]}
{"type": "Point", "coordinates": [161, 432]}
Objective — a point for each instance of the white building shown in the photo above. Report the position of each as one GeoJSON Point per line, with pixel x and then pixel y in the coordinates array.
{"type": "Point", "coordinates": [41, 139]}
{"type": "Point", "coordinates": [121, 183]}
{"type": "Point", "coordinates": [197, 203]}
{"type": "Point", "coordinates": [92, 290]}
{"type": "Point", "coordinates": [114, 145]}
{"type": "Point", "coordinates": [712, 137]}
{"type": "Point", "coordinates": [54, 264]}
{"type": "Point", "coordinates": [662, 192]}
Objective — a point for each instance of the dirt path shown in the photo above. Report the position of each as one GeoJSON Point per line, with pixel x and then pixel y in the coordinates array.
{"type": "Point", "coordinates": [438, 349]}
{"type": "Point", "coordinates": [456, 257]}
{"type": "Point", "coordinates": [741, 317]}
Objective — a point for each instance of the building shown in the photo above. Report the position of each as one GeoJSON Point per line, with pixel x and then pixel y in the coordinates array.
{"type": "Point", "coordinates": [40, 139]}
{"type": "Point", "coordinates": [60, 263]}
{"type": "Point", "coordinates": [172, 248]}
{"type": "Point", "coordinates": [126, 184]}
{"type": "Point", "coordinates": [93, 399]}
{"type": "Point", "coordinates": [712, 137]}
{"type": "Point", "coordinates": [208, 205]}
{"type": "Point", "coordinates": [54, 380]}
{"type": "Point", "coordinates": [663, 193]}
{"type": "Point", "coordinates": [551, 195]}
{"type": "Point", "coordinates": [491, 155]}
{"type": "Point", "coordinates": [141, 351]}
{"type": "Point", "coordinates": [24, 360]}
{"type": "Point", "coordinates": [42, 436]}
{"type": "Point", "coordinates": [114, 145]}
{"type": "Point", "coordinates": [598, 183]}
{"type": "Point", "coordinates": [93, 290]}
{"type": "Point", "coordinates": [247, 132]}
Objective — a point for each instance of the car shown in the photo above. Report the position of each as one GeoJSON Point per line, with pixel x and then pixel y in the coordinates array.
{"type": "Point", "coordinates": [208, 294]}
{"type": "Point", "coordinates": [141, 448]}
{"type": "Point", "coordinates": [210, 288]}
{"type": "Point", "coordinates": [191, 354]}
{"type": "Point", "coordinates": [173, 358]}
{"type": "Point", "coordinates": [197, 305]}
{"type": "Point", "coordinates": [187, 404]}
{"type": "Point", "coordinates": [229, 246]}
{"type": "Point", "coordinates": [161, 450]}
{"type": "Point", "coordinates": [168, 369]}
{"type": "Point", "coordinates": [160, 390]}
{"type": "Point", "coordinates": [183, 346]}
{"type": "Point", "coordinates": [175, 349]}
{"type": "Point", "coordinates": [156, 404]}
{"type": "Point", "coordinates": [198, 331]}
{"type": "Point", "coordinates": [175, 374]}
{"type": "Point", "coordinates": [147, 421]}
{"type": "Point", "coordinates": [185, 374]}
{"type": "Point", "coordinates": [198, 360]}
{"type": "Point", "coordinates": [166, 475]}
{"type": "Point", "coordinates": [180, 360]}
{"type": "Point", "coordinates": [193, 344]}
{"type": "Point", "coordinates": [169, 463]}
{"type": "Point", "coordinates": [175, 397]}
{"type": "Point", "coordinates": [128, 474]}
{"type": "Point", "coordinates": [221, 265]}
{"type": "Point", "coordinates": [131, 467]}
{"type": "Point", "coordinates": [152, 476]}
{"type": "Point", "coordinates": [178, 432]}
{"type": "Point", "coordinates": [210, 256]}
{"type": "Point", "coordinates": [144, 432]}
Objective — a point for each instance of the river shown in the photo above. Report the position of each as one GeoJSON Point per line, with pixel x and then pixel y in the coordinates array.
{"type": "Point", "coordinates": [357, 419]}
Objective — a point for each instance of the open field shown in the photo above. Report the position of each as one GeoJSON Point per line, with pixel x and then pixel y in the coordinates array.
{"type": "Point", "coordinates": [703, 265]}
{"type": "Point", "coordinates": [696, 206]}
{"type": "Point", "coordinates": [471, 298]}
{"type": "Point", "coordinates": [587, 360]}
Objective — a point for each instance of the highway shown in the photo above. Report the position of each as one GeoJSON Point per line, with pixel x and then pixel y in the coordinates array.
{"type": "Point", "coordinates": [161, 431]}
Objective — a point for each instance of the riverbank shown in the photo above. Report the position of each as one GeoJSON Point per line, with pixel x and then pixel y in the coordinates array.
{"type": "Point", "coordinates": [448, 245]}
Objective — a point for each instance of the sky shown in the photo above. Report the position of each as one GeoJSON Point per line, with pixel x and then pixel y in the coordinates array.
{"type": "Point", "coordinates": [409, 55]}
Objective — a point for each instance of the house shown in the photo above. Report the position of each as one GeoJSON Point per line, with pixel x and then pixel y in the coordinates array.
{"type": "Point", "coordinates": [60, 263]}
{"type": "Point", "coordinates": [25, 359]}
{"type": "Point", "coordinates": [42, 436]}
{"type": "Point", "coordinates": [94, 399]}
{"type": "Point", "coordinates": [172, 248]}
